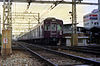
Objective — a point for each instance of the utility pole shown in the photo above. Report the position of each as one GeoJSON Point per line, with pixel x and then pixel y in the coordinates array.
{"type": "Point", "coordinates": [0, 25]}
{"type": "Point", "coordinates": [29, 28]}
{"type": "Point", "coordinates": [99, 12]}
{"type": "Point", "coordinates": [29, 25]}
{"type": "Point", "coordinates": [39, 22]}
{"type": "Point", "coordinates": [38, 18]}
{"type": "Point", "coordinates": [7, 29]}
{"type": "Point", "coordinates": [74, 39]}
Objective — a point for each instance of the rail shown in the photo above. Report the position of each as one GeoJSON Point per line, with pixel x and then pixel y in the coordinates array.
{"type": "Point", "coordinates": [39, 57]}
{"type": "Point", "coordinates": [87, 60]}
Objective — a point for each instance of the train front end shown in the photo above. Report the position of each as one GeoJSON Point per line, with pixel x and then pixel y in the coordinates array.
{"type": "Point", "coordinates": [53, 30]}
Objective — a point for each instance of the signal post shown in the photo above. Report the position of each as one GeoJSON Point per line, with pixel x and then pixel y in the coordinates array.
{"type": "Point", "coordinates": [7, 29]}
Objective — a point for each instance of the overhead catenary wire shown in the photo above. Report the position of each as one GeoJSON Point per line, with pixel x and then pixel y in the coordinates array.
{"type": "Point", "coordinates": [51, 7]}
{"type": "Point", "coordinates": [55, 4]}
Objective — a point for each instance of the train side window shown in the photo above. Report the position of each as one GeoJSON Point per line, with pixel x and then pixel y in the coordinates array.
{"type": "Point", "coordinates": [58, 27]}
{"type": "Point", "coordinates": [53, 27]}
{"type": "Point", "coordinates": [47, 27]}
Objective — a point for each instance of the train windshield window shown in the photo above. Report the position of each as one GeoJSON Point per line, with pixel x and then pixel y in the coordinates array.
{"type": "Point", "coordinates": [58, 27]}
{"type": "Point", "coordinates": [47, 27]}
{"type": "Point", "coordinates": [53, 27]}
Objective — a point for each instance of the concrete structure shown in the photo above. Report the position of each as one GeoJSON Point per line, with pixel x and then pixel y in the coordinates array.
{"type": "Point", "coordinates": [6, 43]}
{"type": "Point", "coordinates": [7, 29]}
{"type": "Point", "coordinates": [91, 19]}
{"type": "Point", "coordinates": [67, 31]}
{"type": "Point", "coordinates": [82, 41]}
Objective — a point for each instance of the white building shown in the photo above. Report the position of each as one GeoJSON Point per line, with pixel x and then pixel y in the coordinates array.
{"type": "Point", "coordinates": [91, 19]}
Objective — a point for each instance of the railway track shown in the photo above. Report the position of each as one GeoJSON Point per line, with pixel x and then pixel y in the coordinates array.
{"type": "Point", "coordinates": [97, 49]}
{"type": "Point", "coordinates": [88, 50]}
{"type": "Point", "coordinates": [55, 58]}
{"type": "Point", "coordinates": [80, 51]}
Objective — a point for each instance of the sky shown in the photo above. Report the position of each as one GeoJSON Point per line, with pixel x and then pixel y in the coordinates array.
{"type": "Point", "coordinates": [61, 11]}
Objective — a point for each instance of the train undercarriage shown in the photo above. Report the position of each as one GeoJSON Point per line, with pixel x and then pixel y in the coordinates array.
{"type": "Point", "coordinates": [46, 41]}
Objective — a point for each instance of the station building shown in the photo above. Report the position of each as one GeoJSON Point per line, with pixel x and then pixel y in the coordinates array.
{"type": "Point", "coordinates": [92, 27]}
{"type": "Point", "coordinates": [67, 32]}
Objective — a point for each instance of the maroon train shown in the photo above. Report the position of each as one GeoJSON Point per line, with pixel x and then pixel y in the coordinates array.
{"type": "Point", "coordinates": [48, 33]}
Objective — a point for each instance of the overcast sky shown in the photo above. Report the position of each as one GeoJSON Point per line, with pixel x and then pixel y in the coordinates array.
{"type": "Point", "coordinates": [61, 11]}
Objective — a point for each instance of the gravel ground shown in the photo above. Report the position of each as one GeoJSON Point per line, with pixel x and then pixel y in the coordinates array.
{"type": "Point", "coordinates": [58, 59]}
{"type": "Point", "coordinates": [20, 58]}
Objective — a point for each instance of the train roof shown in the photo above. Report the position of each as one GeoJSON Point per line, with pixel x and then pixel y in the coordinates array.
{"type": "Point", "coordinates": [52, 19]}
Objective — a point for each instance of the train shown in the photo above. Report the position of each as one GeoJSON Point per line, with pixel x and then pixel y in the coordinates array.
{"type": "Point", "coordinates": [49, 32]}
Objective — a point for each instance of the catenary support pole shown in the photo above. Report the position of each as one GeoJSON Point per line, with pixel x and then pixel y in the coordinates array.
{"type": "Point", "coordinates": [7, 29]}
